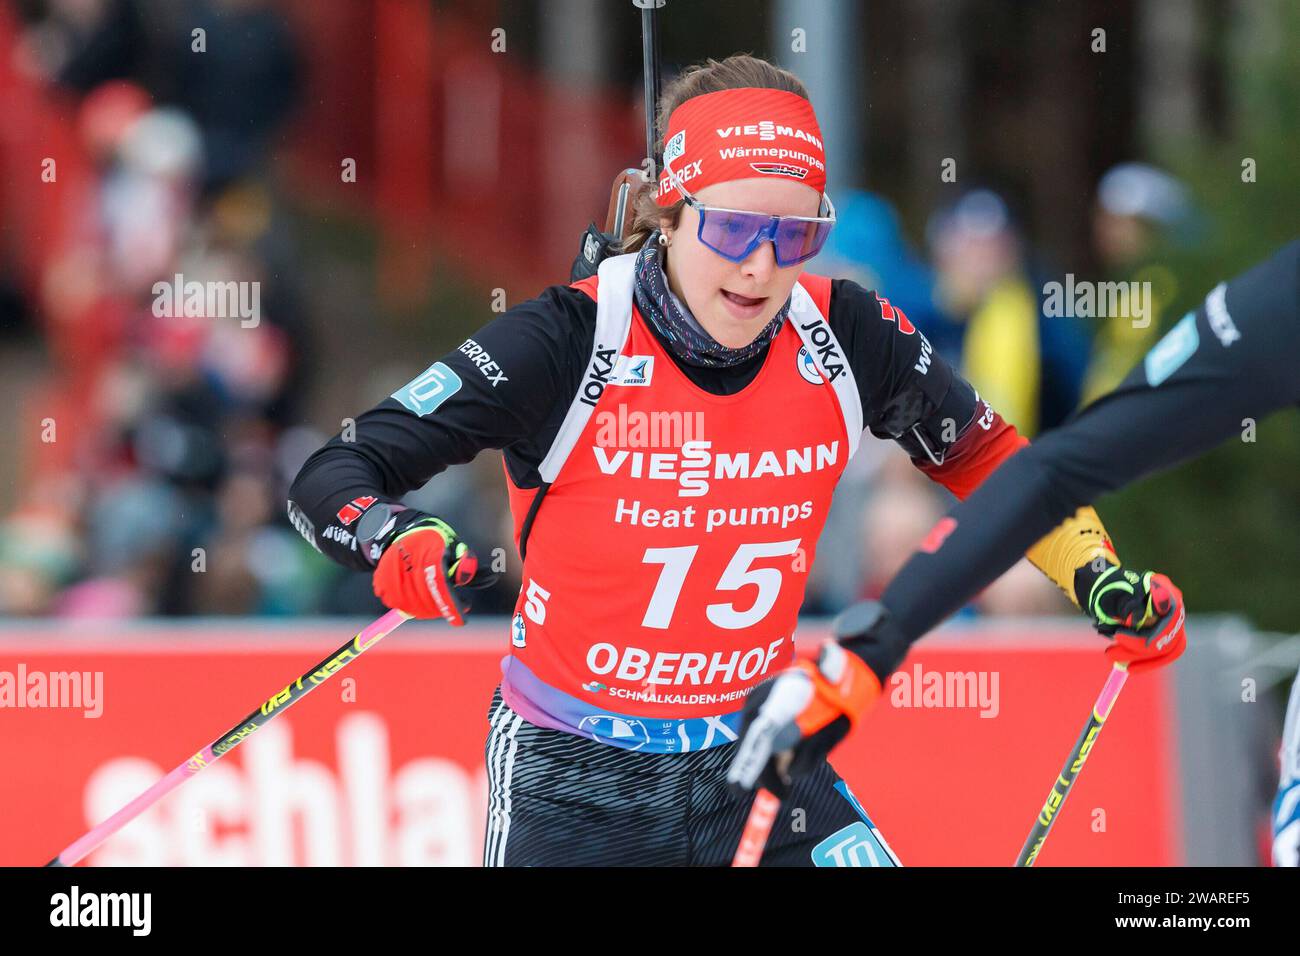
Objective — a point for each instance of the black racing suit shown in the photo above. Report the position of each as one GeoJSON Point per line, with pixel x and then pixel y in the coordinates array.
{"type": "Point", "coordinates": [1232, 360]}
{"type": "Point", "coordinates": [558, 798]}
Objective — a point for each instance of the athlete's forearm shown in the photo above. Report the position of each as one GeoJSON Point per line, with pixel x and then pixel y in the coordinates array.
{"type": "Point", "coordinates": [335, 486]}
{"type": "Point", "coordinates": [386, 453]}
{"type": "Point", "coordinates": [496, 390]}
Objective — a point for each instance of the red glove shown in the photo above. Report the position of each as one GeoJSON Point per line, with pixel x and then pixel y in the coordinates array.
{"type": "Point", "coordinates": [1142, 613]}
{"type": "Point", "coordinates": [420, 568]}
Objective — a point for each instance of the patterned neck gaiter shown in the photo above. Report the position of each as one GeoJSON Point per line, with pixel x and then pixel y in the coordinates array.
{"type": "Point", "coordinates": [686, 338]}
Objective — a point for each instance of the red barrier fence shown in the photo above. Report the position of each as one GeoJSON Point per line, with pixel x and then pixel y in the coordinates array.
{"type": "Point", "coordinates": [383, 765]}
{"type": "Point", "coordinates": [461, 150]}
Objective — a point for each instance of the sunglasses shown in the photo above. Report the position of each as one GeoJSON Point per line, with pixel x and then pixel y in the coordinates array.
{"type": "Point", "coordinates": [735, 233]}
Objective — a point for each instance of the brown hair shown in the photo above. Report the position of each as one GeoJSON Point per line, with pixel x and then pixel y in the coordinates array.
{"type": "Point", "coordinates": [735, 72]}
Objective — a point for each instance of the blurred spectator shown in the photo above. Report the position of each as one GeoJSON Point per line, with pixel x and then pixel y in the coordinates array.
{"type": "Point", "coordinates": [1138, 208]}
{"type": "Point", "coordinates": [903, 507]}
{"type": "Point", "coordinates": [867, 245]}
{"type": "Point", "coordinates": [1028, 366]}
{"type": "Point", "coordinates": [243, 85]}
{"type": "Point", "coordinates": [1023, 591]}
{"type": "Point", "coordinates": [148, 197]}
{"type": "Point", "coordinates": [1135, 203]}
{"type": "Point", "coordinates": [39, 554]}
{"type": "Point", "coordinates": [175, 434]}
{"type": "Point", "coordinates": [132, 532]}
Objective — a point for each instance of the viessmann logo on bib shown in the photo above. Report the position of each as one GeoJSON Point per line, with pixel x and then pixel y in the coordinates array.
{"type": "Point", "coordinates": [696, 465]}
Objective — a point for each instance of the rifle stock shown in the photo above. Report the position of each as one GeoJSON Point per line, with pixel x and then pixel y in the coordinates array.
{"type": "Point", "coordinates": [618, 220]}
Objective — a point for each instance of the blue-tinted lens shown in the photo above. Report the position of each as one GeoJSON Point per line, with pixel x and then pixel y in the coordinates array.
{"type": "Point", "coordinates": [732, 235]}
{"type": "Point", "coordinates": [798, 240]}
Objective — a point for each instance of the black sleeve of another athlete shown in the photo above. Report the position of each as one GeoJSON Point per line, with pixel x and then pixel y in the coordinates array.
{"type": "Point", "coordinates": [1241, 364]}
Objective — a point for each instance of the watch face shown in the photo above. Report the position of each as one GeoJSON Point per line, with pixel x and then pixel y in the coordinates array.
{"type": "Point", "coordinates": [377, 522]}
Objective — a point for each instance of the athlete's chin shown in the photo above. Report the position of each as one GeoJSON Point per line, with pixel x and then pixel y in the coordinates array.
{"type": "Point", "coordinates": [735, 331]}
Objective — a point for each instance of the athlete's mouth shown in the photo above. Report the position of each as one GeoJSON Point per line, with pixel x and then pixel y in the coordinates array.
{"type": "Point", "coordinates": [742, 299]}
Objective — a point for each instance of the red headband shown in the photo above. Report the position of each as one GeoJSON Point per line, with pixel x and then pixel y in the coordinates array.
{"type": "Point", "coordinates": [741, 134]}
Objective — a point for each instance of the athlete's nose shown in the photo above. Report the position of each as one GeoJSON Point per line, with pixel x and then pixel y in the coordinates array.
{"type": "Point", "coordinates": [760, 264]}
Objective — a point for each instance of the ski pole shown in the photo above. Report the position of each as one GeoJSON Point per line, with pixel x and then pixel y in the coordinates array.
{"type": "Point", "coordinates": [1073, 764]}
{"type": "Point", "coordinates": [274, 705]}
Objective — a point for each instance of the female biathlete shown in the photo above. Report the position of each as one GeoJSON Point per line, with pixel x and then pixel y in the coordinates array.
{"type": "Point", "coordinates": [672, 429]}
